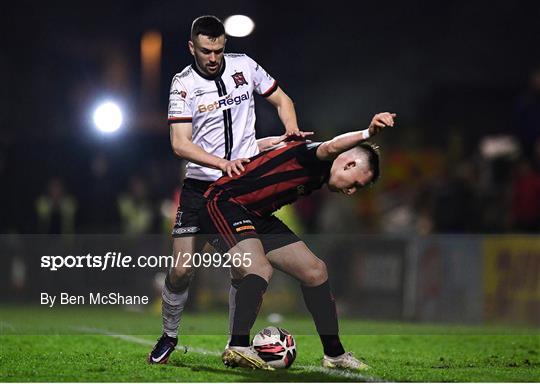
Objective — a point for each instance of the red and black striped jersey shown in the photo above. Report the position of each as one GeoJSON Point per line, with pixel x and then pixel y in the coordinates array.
{"type": "Point", "coordinates": [274, 178]}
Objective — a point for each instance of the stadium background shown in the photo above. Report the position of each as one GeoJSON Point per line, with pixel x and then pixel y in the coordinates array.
{"type": "Point", "coordinates": [451, 232]}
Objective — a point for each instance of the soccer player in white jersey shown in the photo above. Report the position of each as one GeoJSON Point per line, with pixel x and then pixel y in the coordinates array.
{"type": "Point", "coordinates": [212, 125]}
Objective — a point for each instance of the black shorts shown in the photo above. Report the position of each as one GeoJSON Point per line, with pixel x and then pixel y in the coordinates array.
{"type": "Point", "coordinates": [227, 223]}
{"type": "Point", "coordinates": [190, 203]}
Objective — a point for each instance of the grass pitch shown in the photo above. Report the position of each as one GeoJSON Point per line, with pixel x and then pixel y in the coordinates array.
{"type": "Point", "coordinates": [110, 345]}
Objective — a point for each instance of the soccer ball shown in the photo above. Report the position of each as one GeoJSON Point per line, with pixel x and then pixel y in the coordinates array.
{"type": "Point", "coordinates": [276, 346]}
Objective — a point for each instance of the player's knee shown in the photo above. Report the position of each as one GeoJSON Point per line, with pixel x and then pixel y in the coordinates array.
{"type": "Point", "coordinates": [259, 266]}
{"type": "Point", "coordinates": [266, 271]}
{"type": "Point", "coordinates": [180, 273]}
{"type": "Point", "coordinates": [316, 274]}
{"type": "Point", "coordinates": [178, 279]}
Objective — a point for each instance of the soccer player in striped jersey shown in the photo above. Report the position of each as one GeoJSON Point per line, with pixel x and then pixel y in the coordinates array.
{"type": "Point", "coordinates": [238, 218]}
{"type": "Point", "coordinates": [212, 125]}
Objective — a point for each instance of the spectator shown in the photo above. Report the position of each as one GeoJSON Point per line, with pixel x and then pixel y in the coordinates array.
{"type": "Point", "coordinates": [136, 213]}
{"type": "Point", "coordinates": [56, 210]}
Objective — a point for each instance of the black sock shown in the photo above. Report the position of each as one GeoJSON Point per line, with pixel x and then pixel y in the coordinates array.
{"type": "Point", "coordinates": [320, 303]}
{"type": "Point", "coordinates": [248, 302]}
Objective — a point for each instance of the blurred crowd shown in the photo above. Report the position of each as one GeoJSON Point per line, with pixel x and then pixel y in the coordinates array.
{"type": "Point", "coordinates": [421, 192]}
{"type": "Point", "coordinates": [132, 185]}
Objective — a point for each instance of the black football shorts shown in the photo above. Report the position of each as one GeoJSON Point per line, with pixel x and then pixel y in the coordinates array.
{"type": "Point", "coordinates": [191, 202]}
{"type": "Point", "coordinates": [227, 223]}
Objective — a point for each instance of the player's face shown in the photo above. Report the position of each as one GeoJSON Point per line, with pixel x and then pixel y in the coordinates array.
{"type": "Point", "coordinates": [348, 175]}
{"type": "Point", "coordinates": [208, 53]}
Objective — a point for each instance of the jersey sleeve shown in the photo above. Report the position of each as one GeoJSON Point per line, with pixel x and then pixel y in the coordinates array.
{"type": "Point", "coordinates": [263, 83]}
{"type": "Point", "coordinates": [307, 154]}
{"type": "Point", "coordinates": [180, 110]}
{"type": "Point", "coordinates": [307, 157]}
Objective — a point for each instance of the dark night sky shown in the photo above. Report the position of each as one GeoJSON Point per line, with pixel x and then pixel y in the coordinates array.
{"type": "Point", "coordinates": [435, 63]}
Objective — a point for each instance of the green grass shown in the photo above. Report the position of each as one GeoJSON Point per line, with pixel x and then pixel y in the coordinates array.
{"type": "Point", "coordinates": [82, 344]}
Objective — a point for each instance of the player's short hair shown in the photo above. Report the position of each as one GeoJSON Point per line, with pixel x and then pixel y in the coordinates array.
{"type": "Point", "coordinates": [372, 153]}
{"type": "Point", "coordinates": [207, 25]}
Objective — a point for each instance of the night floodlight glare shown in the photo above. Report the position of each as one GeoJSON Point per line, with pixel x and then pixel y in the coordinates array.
{"type": "Point", "coordinates": [239, 25]}
{"type": "Point", "coordinates": [108, 117]}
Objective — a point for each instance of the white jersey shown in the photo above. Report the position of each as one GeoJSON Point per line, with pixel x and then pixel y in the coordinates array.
{"type": "Point", "coordinates": [221, 109]}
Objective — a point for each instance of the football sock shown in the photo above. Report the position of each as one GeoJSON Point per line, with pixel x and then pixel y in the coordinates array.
{"type": "Point", "coordinates": [235, 283]}
{"type": "Point", "coordinates": [320, 303]}
{"type": "Point", "coordinates": [248, 301]}
{"type": "Point", "coordinates": [172, 306]}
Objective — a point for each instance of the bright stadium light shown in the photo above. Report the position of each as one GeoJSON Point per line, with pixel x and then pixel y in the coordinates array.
{"type": "Point", "coordinates": [239, 25]}
{"type": "Point", "coordinates": [108, 117]}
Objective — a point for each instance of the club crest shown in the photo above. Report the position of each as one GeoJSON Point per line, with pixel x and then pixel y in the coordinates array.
{"type": "Point", "coordinates": [239, 79]}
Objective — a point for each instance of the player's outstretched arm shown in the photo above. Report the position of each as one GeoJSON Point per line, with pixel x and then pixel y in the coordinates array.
{"type": "Point", "coordinates": [286, 111]}
{"type": "Point", "coordinates": [331, 149]}
{"type": "Point", "coordinates": [184, 148]}
{"type": "Point", "coordinates": [271, 141]}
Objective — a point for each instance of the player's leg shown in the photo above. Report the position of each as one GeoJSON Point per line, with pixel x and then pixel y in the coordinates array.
{"type": "Point", "coordinates": [174, 296]}
{"type": "Point", "coordinates": [235, 235]}
{"type": "Point", "coordinates": [176, 288]}
{"type": "Point", "coordinates": [236, 278]}
{"type": "Point", "coordinates": [289, 254]}
{"type": "Point", "coordinates": [250, 289]}
{"type": "Point", "coordinates": [298, 261]}
{"type": "Point", "coordinates": [253, 278]}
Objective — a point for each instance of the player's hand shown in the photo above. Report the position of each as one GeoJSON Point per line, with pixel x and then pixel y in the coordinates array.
{"type": "Point", "coordinates": [380, 121]}
{"type": "Point", "coordinates": [298, 133]}
{"type": "Point", "coordinates": [231, 167]}
{"type": "Point", "coordinates": [290, 136]}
